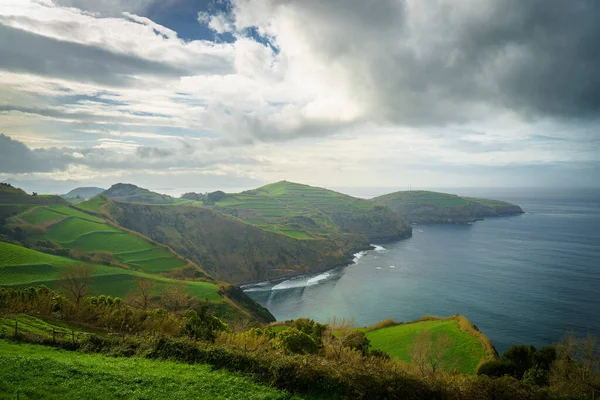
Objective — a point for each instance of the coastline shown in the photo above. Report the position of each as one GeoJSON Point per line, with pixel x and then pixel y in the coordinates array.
{"type": "Point", "coordinates": [351, 258]}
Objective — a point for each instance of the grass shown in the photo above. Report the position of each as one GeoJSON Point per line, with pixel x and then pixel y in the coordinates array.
{"type": "Point", "coordinates": [37, 372]}
{"type": "Point", "coordinates": [29, 325]}
{"type": "Point", "coordinates": [72, 228]}
{"type": "Point", "coordinates": [20, 266]}
{"type": "Point", "coordinates": [77, 230]}
{"type": "Point", "coordinates": [94, 204]}
{"type": "Point", "coordinates": [466, 350]}
{"type": "Point", "coordinates": [295, 210]}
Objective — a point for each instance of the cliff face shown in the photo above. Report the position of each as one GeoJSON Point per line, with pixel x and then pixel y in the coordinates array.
{"type": "Point", "coordinates": [226, 247]}
{"type": "Point", "coordinates": [431, 207]}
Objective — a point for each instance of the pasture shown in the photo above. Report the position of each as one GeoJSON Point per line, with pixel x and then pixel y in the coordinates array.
{"type": "Point", "coordinates": [295, 210]}
{"type": "Point", "coordinates": [20, 266]}
{"type": "Point", "coordinates": [75, 229]}
{"type": "Point", "coordinates": [465, 350]}
{"type": "Point", "coordinates": [37, 372]}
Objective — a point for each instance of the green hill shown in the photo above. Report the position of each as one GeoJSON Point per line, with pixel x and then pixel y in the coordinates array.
{"type": "Point", "coordinates": [226, 247]}
{"type": "Point", "coordinates": [134, 194]}
{"type": "Point", "coordinates": [81, 194]}
{"type": "Point", "coordinates": [74, 236]}
{"type": "Point", "coordinates": [20, 266]}
{"type": "Point", "coordinates": [306, 212]}
{"type": "Point", "coordinates": [36, 372]}
{"type": "Point", "coordinates": [421, 206]}
{"type": "Point", "coordinates": [277, 230]}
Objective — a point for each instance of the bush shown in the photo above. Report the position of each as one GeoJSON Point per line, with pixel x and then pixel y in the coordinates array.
{"type": "Point", "coordinates": [357, 341]}
{"type": "Point", "coordinates": [294, 341]}
{"type": "Point", "coordinates": [204, 326]}
{"type": "Point", "coordinates": [497, 368]}
{"type": "Point", "coordinates": [522, 357]}
{"type": "Point", "coordinates": [311, 328]}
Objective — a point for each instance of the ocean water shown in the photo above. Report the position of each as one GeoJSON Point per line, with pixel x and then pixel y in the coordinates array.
{"type": "Point", "coordinates": [521, 279]}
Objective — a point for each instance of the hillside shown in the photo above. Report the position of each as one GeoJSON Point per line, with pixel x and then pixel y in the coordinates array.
{"type": "Point", "coordinates": [424, 207]}
{"type": "Point", "coordinates": [306, 212]}
{"type": "Point", "coordinates": [134, 194]}
{"type": "Point", "coordinates": [224, 246]}
{"type": "Point", "coordinates": [83, 193]}
{"type": "Point", "coordinates": [59, 236]}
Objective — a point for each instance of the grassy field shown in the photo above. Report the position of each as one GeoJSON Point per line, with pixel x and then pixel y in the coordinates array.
{"type": "Point", "coordinates": [75, 229]}
{"type": "Point", "coordinates": [20, 266]}
{"type": "Point", "coordinates": [94, 204]}
{"type": "Point", "coordinates": [295, 210]}
{"type": "Point", "coordinates": [37, 372]}
{"type": "Point", "coordinates": [466, 351]}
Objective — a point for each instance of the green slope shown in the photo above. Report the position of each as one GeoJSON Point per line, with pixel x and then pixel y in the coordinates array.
{"type": "Point", "coordinates": [421, 206]}
{"type": "Point", "coordinates": [20, 266]}
{"type": "Point", "coordinates": [134, 194]}
{"type": "Point", "coordinates": [75, 229]}
{"type": "Point", "coordinates": [303, 212]}
{"type": "Point", "coordinates": [464, 354]}
{"type": "Point", "coordinates": [38, 372]}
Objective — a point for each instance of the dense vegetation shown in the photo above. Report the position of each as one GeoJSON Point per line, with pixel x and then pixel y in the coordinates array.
{"type": "Point", "coordinates": [432, 207]}
{"type": "Point", "coordinates": [335, 361]}
{"type": "Point", "coordinates": [224, 246]}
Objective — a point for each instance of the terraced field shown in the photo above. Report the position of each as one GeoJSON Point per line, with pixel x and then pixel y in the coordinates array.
{"type": "Point", "coordinates": [303, 212]}
{"type": "Point", "coordinates": [20, 266]}
{"type": "Point", "coordinates": [74, 229]}
{"type": "Point", "coordinates": [93, 204]}
{"type": "Point", "coordinates": [464, 353]}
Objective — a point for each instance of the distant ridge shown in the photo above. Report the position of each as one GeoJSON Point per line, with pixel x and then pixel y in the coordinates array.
{"type": "Point", "coordinates": [83, 192]}
{"type": "Point", "coordinates": [421, 206]}
{"type": "Point", "coordinates": [127, 192]}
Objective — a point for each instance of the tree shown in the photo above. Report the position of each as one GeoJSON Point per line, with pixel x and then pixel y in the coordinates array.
{"type": "Point", "coordinates": [76, 281]}
{"type": "Point", "coordinates": [430, 354]}
{"type": "Point", "coordinates": [176, 298]}
{"type": "Point", "coordinates": [144, 290]}
{"type": "Point", "coordinates": [576, 369]}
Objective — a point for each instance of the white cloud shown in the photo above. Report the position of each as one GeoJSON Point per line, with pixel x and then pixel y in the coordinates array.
{"type": "Point", "coordinates": [331, 91]}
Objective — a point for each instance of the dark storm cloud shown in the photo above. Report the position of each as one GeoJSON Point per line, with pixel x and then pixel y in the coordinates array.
{"type": "Point", "coordinates": [431, 63]}
{"type": "Point", "coordinates": [24, 51]}
{"type": "Point", "coordinates": [15, 157]}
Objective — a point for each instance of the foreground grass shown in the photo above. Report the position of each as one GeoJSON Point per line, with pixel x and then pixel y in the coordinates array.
{"type": "Point", "coordinates": [466, 350]}
{"type": "Point", "coordinates": [38, 372]}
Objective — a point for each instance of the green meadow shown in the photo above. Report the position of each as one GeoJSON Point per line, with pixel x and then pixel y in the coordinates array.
{"type": "Point", "coordinates": [294, 210]}
{"type": "Point", "coordinates": [465, 352]}
{"type": "Point", "coordinates": [75, 229]}
{"type": "Point", "coordinates": [37, 372]}
{"type": "Point", "coordinates": [20, 266]}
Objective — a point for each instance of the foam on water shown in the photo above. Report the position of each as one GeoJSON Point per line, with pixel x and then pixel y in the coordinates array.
{"type": "Point", "coordinates": [378, 248]}
{"type": "Point", "coordinates": [301, 282]}
{"type": "Point", "coordinates": [358, 256]}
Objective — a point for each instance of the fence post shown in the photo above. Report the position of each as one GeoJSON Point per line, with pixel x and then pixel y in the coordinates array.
{"type": "Point", "coordinates": [16, 328]}
{"type": "Point", "coordinates": [73, 336]}
{"type": "Point", "coordinates": [53, 336]}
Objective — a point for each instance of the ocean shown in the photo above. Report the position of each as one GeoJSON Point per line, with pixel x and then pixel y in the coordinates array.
{"type": "Point", "coordinates": [523, 279]}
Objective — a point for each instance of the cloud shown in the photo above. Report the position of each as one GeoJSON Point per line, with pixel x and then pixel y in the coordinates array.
{"type": "Point", "coordinates": [431, 63]}
{"type": "Point", "coordinates": [15, 157]}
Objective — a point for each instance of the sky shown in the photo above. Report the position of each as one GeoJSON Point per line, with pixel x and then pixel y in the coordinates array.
{"type": "Point", "coordinates": [197, 95]}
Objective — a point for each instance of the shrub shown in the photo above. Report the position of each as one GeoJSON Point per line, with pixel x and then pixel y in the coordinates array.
{"type": "Point", "coordinates": [294, 341]}
{"type": "Point", "coordinates": [202, 326]}
{"type": "Point", "coordinates": [357, 341]}
{"type": "Point", "coordinates": [497, 368]}
{"type": "Point", "coordinates": [522, 358]}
